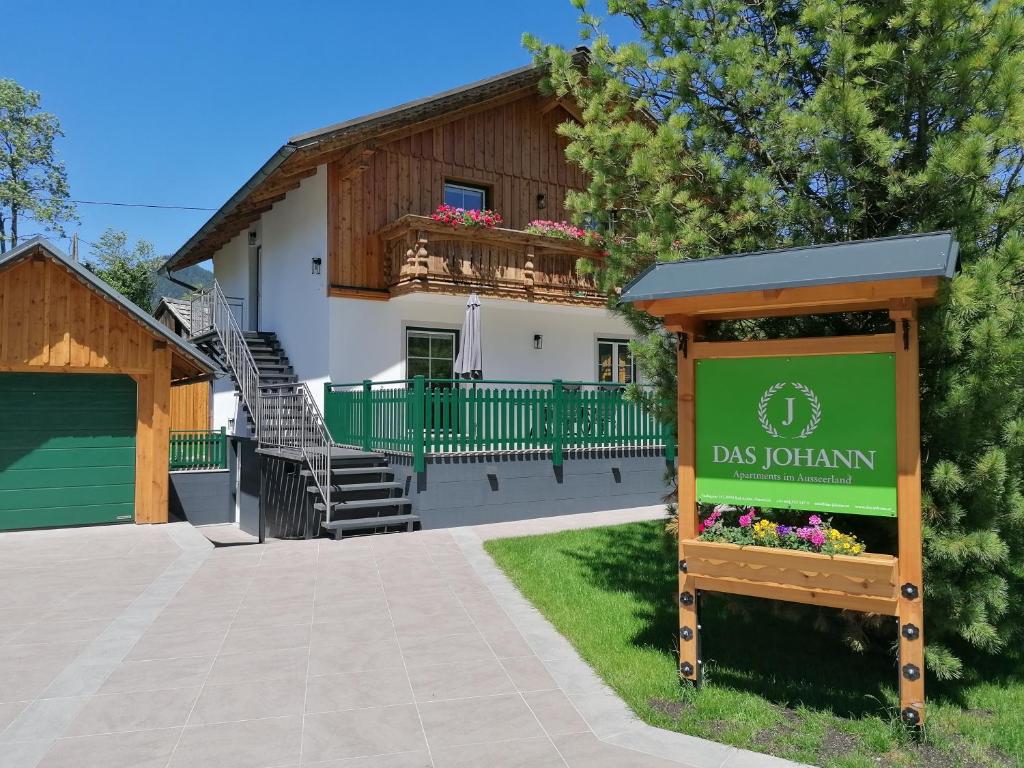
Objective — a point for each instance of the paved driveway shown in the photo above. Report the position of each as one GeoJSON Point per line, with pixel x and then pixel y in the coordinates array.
{"type": "Point", "coordinates": [146, 646]}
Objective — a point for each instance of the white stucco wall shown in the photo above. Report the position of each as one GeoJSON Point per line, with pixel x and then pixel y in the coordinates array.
{"type": "Point", "coordinates": [368, 337]}
{"type": "Point", "coordinates": [294, 301]}
{"type": "Point", "coordinates": [231, 268]}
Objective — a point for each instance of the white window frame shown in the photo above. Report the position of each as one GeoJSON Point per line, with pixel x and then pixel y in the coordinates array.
{"type": "Point", "coordinates": [617, 343]}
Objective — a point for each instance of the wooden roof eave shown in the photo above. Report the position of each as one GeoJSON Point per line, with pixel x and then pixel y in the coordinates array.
{"type": "Point", "coordinates": [782, 302]}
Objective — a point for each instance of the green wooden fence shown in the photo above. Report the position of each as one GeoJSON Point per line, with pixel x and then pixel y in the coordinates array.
{"type": "Point", "coordinates": [199, 449]}
{"type": "Point", "coordinates": [424, 417]}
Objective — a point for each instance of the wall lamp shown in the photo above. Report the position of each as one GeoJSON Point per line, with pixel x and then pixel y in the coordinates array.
{"type": "Point", "coordinates": [317, 263]}
{"type": "Point", "coordinates": [538, 341]}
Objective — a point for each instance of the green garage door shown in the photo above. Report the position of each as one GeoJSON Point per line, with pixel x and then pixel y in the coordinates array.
{"type": "Point", "coordinates": [67, 449]}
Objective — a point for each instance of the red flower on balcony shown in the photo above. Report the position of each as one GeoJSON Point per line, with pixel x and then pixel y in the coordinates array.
{"type": "Point", "coordinates": [460, 217]}
{"type": "Point", "coordinates": [563, 230]}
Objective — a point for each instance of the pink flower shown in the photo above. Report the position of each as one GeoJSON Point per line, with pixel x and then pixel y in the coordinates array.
{"type": "Point", "coordinates": [814, 520]}
{"type": "Point", "coordinates": [700, 528]}
{"type": "Point", "coordinates": [746, 520]}
{"type": "Point", "coordinates": [817, 538]}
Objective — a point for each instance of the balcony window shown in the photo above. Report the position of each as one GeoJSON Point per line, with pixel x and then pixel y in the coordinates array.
{"type": "Point", "coordinates": [464, 196]}
{"type": "Point", "coordinates": [615, 363]}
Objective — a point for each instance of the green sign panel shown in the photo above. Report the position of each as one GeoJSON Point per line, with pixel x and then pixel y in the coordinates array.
{"type": "Point", "coordinates": [814, 433]}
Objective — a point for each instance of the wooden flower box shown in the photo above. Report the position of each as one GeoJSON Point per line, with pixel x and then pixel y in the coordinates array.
{"type": "Point", "coordinates": [867, 582]}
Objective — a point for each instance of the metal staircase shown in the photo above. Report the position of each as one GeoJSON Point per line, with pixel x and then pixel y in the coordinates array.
{"type": "Point", "coordinates": [354, 490]}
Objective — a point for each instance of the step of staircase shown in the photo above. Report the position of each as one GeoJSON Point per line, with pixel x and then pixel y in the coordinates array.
{"type": "Point", "coordinates": [360, 488]}
{"type": "Point", "coordinates": [355, 471]}
{"type": "Point", "coordinates": [338, 527]}
{"type": "Point", "coordinates": [350, 506]}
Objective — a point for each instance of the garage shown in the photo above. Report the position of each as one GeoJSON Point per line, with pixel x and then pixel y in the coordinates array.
{"type": "Point", "coordinates": [85, 396]}
{"type": "Point", "coordinates": [61, 464]}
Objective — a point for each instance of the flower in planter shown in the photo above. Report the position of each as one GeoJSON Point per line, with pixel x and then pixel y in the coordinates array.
{"type": "Point", "coordinates": [460, 217]}
{"type": "Point", "coordinates": [817, 536]}
{"type": "Point", "coordinates": [563, 230]}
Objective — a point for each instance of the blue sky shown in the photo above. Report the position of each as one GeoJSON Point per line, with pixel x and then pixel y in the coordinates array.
{"type": "Point", "coordinates": [178, 103]}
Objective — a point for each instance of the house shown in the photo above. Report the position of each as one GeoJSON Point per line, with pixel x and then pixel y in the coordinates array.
{"type": "Point", "coordinates": [86, 382]}
{"type": "Point", "coordinates": [335, 289]}
{"type": "Point", "coordinates": [176, 314]}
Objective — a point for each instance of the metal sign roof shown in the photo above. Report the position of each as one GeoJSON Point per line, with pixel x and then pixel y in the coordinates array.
{"type": "Point", "coordinates": [932, 254]}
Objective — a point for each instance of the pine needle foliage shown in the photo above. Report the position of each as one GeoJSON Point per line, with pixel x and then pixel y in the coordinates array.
{"type": "Point", "coordinates": [729, 126]}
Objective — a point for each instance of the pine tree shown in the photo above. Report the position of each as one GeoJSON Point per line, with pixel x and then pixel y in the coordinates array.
{"type": "Point", "coordinates": [733, 126]}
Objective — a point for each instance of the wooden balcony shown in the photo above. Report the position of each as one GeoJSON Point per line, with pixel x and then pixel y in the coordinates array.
{"type": "Point", "coordinates": [422, 255]}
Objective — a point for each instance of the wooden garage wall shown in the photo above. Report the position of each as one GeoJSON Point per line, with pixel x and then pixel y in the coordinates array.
{"type": "Point", "coordinates": [49, 319]}
{"type": "Point", "coordinates": [190, 406]}
{"type": "Point", "coordinates": [512, 149]}
{"type": "Point", "coordinates": [51, 322]}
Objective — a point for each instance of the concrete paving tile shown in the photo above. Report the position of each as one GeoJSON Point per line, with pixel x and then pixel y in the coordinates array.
{"type": "Point", "coordinates": [556, 713]}
{"type": "Point", "coordinates": [373, 688]}
{"type": "Point", "coordinates": [45, 632]}
{"type": "Point", "coordinates": [360, 733]}
{"type": "Point", "coordinates": [248, 744]}
{"type": "Point", "coordinates": [287, 663]}
{"type": "Point", "coordinates": [170, 645]}
{"type": "Point", "coordinates": [475, 721]}
{"type": "Point", "coordinates": [584, 750]}
{"type": "Point", "coordinates": [9, 711]}
{"type": "Point", "coordinates": [523, 753]}
{"type": "Point", "coordinates": [698, 753]}
{"type": "Point", "coordinates": [368, 628]}
{"type": "Point", "coordinates": [528, 673]}
{"type": "Point", "coordinates": [326, 658]}
{"type": "Point", "coordinates": [417, 759]}
{"type": "Point", "coordinates": [41, 720]}
{"type": "Point", "coordinates": [248, 639]}
{"type": "Point", "coordinates": [140, 749]}
{"type": "Point", "coordinates": [250, 700]}
{"type": "Point", "coordinates": [460, 681]}
{"type": "Point", "coordinates": [159, 674]}
{"type": "Point", "coordinates": [430, 651]}
{"type": "Point", "coordinates": [139, 711]}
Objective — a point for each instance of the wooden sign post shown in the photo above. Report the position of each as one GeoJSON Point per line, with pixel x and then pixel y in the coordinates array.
{"type": "Point", "coordinates": [883, 478]}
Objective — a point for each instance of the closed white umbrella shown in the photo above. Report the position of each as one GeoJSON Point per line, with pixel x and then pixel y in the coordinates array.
{"type": "Point", "coordinates": [470, 362]}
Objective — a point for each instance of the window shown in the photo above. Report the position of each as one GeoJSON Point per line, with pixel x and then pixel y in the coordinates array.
{"type": "Point", "coordinates": [430, 353]}
{"type": "Point", "coordinates": [466, 197]}
{"type": "Point", "coordinates": [615, 361]}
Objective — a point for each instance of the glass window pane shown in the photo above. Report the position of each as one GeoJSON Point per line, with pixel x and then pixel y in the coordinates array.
{"type": "Point", "coordinates": [417, 366]}
{"type": "Point", "coordinates": [473, 199]}
{"type": "Point", "coordinates": [419, 345]}
{"type": "Point", "coordinates": [442, 346]}
{"type": "Point", "coordinates": [453, 196]}
{"type": "Point", "coordinates": [441, 369]}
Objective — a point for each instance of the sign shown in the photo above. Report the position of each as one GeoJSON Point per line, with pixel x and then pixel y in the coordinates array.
{"type": "Point", "coordinates": [815, 432]}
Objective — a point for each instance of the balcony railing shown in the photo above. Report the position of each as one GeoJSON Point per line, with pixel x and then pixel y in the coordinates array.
{"type": "Point", "coordinates": [423, 417]}
{"type": "Point", "coordinates": [425, 255]}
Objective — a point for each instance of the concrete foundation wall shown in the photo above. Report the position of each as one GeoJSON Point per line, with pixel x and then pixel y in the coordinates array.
{"type": "Point", "coordinates": [202, 498]}
{"type": "Point", "coordinates": [469, 490]}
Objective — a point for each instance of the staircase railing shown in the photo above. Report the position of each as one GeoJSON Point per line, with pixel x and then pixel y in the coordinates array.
{"type": "Point", "coordinates": [285, 415]}
{"type": "Point", "coordinates": [211, 312]}
{"type": "Point", "coordinates": [291, 420]}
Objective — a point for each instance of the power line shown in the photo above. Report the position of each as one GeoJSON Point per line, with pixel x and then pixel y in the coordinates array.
{"type": "Point", "coordinates": [138, 205]}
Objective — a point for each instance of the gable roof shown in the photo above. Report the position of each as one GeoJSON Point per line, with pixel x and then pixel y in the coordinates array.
{"type": "Point", "coordinates": [932, 254]}
{"type": "Point", "coordinates": [302, 154]}
{"type": "Point", "coordinates": [180, 308]}
{"type": "Point", "coordinates": [48, 249]}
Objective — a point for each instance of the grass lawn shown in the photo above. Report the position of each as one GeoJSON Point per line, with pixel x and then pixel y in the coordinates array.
{"type": "Point", "coordinates": [771, 684]}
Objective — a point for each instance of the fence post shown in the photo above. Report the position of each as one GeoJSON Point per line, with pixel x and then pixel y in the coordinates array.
{"type": "Point", "coordinates": [558, 428]}
{"type": "Point", "coordinates": [419, 395]}
{"type": "Point", "coordinates": [223, 447]}
{"type": "Point", "coordinates": [367, 415]}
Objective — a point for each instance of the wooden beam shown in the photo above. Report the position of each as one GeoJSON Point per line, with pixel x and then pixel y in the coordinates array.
{"type": "Point", "coordinates": [908, 490]}
{"type": "Point", "coordinates": [808, 300]}
{"type": "Point", "coordinates": [829, 345]}
{"type": "Point", "coordinates": [829, 599]}
{"type": "Point", "coordinates": [687, 512]}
